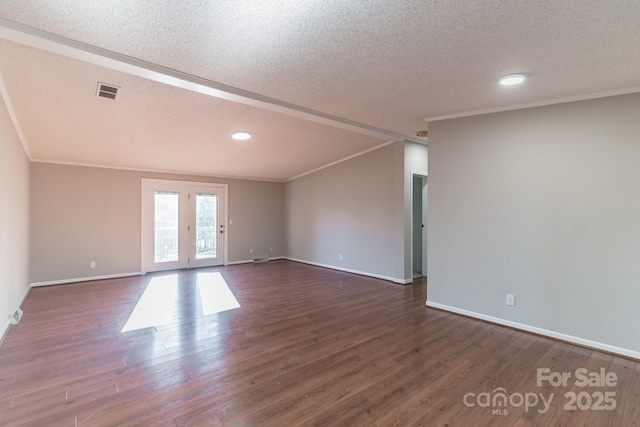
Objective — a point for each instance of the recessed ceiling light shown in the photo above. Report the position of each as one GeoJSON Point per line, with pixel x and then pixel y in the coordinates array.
{"type": "Point", "coordinates": [241, 136]}
{"type": "Point", "coordinates": [512, 79]}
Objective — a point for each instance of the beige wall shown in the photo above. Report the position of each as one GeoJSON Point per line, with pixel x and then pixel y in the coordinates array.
{"type": "Point", "coordinates": [84, 214]}
{"type": "Point", "coordinates": [353, 208]}
{"type": "Point", "coordinates": [543, 203]}
{"type": "Point", "coordinates": [14, 219]}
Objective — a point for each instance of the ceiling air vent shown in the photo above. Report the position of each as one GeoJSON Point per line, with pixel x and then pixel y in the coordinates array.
{"type": "Point", "coordinates": [107, 91]}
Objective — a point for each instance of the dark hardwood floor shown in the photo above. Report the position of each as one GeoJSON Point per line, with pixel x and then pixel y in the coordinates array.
{"type": "Point", "coordinates": [307, 346]}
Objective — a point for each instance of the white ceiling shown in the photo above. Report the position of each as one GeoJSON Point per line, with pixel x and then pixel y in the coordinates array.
{"type": "Point", "coordinates": [317, 81]}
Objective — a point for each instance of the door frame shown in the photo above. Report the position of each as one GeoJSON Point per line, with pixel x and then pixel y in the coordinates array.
{"type": "Point", "coordinates": [146, 210]}
{"type": "Point", "coordinates": [425, 221]}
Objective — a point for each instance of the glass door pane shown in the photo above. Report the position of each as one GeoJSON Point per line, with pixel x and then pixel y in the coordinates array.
{"type": "Point", "coordinates": [166, 226]}
{"type": "Point", "coordinates": [183, 224]}
{"type": "Point", "coordinates": [206, 226]}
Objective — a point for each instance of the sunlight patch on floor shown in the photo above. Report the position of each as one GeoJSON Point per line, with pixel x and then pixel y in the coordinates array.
{"type": "Point", "coordinates": [159, 303]}
{"type": "Point", "coordinates": [156, 305]}
{"type": "Point", "coordinates": [215, 294]}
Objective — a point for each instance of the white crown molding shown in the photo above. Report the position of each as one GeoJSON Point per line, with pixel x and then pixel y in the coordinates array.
{"type": "Point", "coordinates": [14, 118]}
{"type": "Point", "coordinates": [595, 95]}
{"type": "Point", "coordinates": [154, 171]}
{"type": "Point", "coordinates": [53, 43]}
{"type": "Point", "coordinates": [377, 147]}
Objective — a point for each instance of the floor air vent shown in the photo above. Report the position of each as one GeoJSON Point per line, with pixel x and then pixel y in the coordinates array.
{"type": "Point", "coordinates": [107, 91]}
{"type": "Point", "coordinates": [259, 260]}
{"type": "Point", "coordinates": [15, 317]}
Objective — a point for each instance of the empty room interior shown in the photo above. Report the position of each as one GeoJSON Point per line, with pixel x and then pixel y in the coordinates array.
{"type": "Point", "coordinates": [296, 213]}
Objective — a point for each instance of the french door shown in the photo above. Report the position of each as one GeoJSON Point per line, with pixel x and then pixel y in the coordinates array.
{"type": "Point", "coordinates": [183, 224]}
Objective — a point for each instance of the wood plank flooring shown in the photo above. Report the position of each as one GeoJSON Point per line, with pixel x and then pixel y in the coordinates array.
{"type": "Point", "coordinates": [307, 346]}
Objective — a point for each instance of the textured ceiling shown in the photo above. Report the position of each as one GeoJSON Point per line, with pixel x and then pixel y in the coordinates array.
{"type": "Point", "coordinates": [155, 126]}
{"type": "Point", "coordinates": [387, 64]}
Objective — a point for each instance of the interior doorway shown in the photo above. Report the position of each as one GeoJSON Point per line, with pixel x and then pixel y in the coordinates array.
{"type": "Point", "coordinates": [419, 225]}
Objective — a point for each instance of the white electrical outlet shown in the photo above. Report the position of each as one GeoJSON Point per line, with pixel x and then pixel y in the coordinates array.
{"type": "Point", "coordinates": [250, 251]}
{"type": "Point", "coordinates": [93, 264]}
{"type": "Point", "coordinates": [271, 249]}
{"type": "Point", "coordinates": [230, 222]}
{"type": "Point", "coordinates": [340, 257]}
{"type": "Point", "coordinates": [511, 299]}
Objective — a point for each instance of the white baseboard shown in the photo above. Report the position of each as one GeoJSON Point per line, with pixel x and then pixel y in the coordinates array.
{"type": "Point", "coordinates": [5, 327]}
{"type": "Point", "coordinates": [244, 261]}
{"type": "Point", "coordinates": [249, 261]}
{"type": "Point", "coordinates": [24, 296]}
{"type": "Point", "coordinates": [349, 270]}
{"type": "Point", "coordinates": [84, 279]}
{"type": "Point", "coordinates": [533, 329]}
